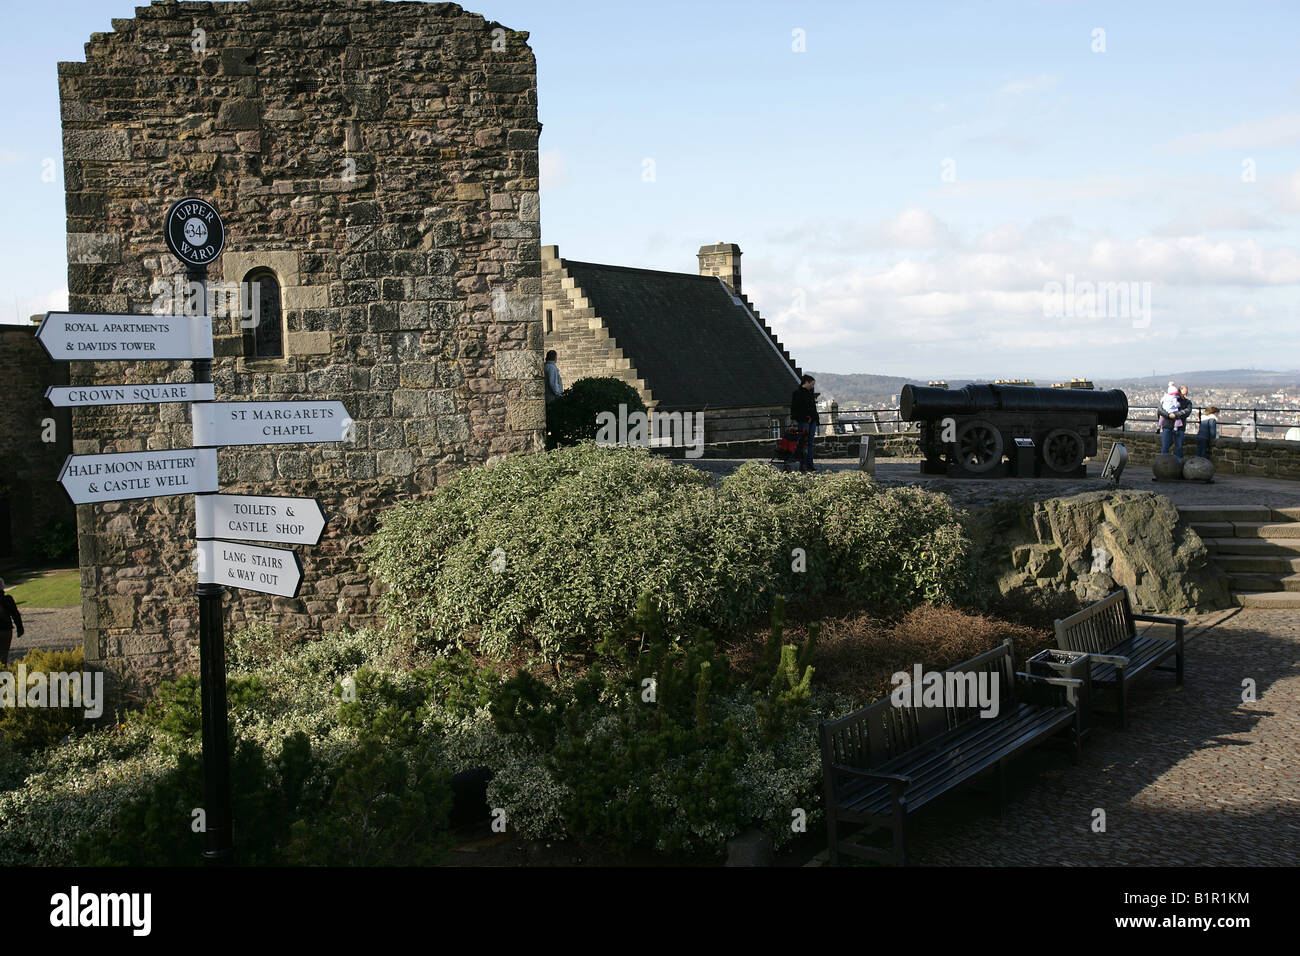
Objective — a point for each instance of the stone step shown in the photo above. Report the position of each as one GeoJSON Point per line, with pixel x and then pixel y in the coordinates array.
{"type": "Point", "coordinates": [1271, 529]}
{"type": "Point", "coordinates": [1264, 582]}
{"type": "Point", "coordinates": [1286, 514]}
{"type": "Point", "coordinates": [1257, 564]}
{"type": "Point", "coordinates": [1214, 529]}
{"type": "Point", "coordinates": [1225, 513]}
{"type": "Point", "coordinates": [1258, 546]}
{"type": "Point", "coordinates": [1275, 600]}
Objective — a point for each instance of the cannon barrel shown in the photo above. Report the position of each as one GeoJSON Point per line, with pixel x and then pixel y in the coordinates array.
{"type": "Point", "coordinates": [922, 403]}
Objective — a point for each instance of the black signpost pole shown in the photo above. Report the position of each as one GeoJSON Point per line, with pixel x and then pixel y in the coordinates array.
{"type": "Point", "coordinates": [219, 837]}
{"type": "Point", "coordinates": [195, 234]}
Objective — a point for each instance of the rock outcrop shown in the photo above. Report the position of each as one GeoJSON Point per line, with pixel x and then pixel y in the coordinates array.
{"type": "Point", "coordinates": [1093, 542]}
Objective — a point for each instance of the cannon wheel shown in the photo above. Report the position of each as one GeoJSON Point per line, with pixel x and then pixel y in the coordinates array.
{"type": "Point", "coordinates": [1062, 450]}
{"type": "Point", "coordinates": [978, 447]}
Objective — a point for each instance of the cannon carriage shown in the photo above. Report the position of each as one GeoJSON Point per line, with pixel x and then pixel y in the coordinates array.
{"type": "Point", "coordinates": [1040, 432]}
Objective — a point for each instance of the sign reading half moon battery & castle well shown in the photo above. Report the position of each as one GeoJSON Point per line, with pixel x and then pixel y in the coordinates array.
{"type": "Point", "coordinates": [194, 232]}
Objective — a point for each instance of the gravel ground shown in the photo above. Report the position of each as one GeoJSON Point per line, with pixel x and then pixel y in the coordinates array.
{"type": "Point", "coordinates": [49, 628]}
{"type": "Point", "coordinates": [1199, 778]}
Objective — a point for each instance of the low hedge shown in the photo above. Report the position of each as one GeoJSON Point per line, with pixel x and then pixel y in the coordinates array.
{"type": "Point", "coordinates": [545, 554]}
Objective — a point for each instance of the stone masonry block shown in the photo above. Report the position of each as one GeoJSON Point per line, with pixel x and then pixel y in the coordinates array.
{"type": "Point", "coordinates": [94, 248]}
{"type": "Point", "coordinates": [97, 145]}
{"type": "Point", "coordinates": [309, 343]}
{"type": "Point", "coordinates": [516, 365]}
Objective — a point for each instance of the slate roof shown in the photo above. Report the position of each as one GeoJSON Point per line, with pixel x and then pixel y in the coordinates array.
{"type": "Point", "coordinates": [690, 340]}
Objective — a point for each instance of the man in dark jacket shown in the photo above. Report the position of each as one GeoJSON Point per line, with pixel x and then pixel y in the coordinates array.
{"type": "Point", "coordinates": [9, 620]}
{"type": "Point", "coordinates": [803, 411]}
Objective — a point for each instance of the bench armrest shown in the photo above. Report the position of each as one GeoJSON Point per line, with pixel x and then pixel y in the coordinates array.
{"type": "Point", "coordinates": [1161, 619]}
{"type": "Point", "coordinates": [890, 778]}
{"type": "Point", "coordinates": [1118, 660]}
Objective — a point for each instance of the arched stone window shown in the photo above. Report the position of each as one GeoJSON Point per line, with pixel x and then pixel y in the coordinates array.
{"type": "Point", "coordinates": [266, 338]}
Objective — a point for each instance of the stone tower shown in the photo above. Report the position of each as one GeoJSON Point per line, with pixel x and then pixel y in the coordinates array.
{"type": "Point", "coordinates": [721, 259]}
{"type": "Point", "coordinates": [376, 165]}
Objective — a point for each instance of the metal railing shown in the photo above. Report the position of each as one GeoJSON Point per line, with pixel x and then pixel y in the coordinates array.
{"type": "Point", "coordinates": [1268, 423]}
{"type": "Point", "coordinates": [1234, 420]}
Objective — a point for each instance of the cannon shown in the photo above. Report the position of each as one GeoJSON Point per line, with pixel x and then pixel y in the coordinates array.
{"type": "Point", "coordinates": [1046, 432]}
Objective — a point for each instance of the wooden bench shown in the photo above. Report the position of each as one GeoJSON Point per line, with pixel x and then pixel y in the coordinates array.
{"type": "Point", "coordinates": [1107, 632]}
{"type": "Point", "coordinates": [884, 762]}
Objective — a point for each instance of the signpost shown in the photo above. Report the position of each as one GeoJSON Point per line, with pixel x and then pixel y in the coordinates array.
{"type": "Point", "coordinates": [269, 423]}
{"type": "Point", "coordinates": [254, 518]}
{"type": "Point", "coordinates": [139, 474]}
{"type": "Point", "coordinates": [195, 234]}
{"type": "Point", "coordinates": [86, 337]}
{"type": "Point", "coordinates": [247, 566]}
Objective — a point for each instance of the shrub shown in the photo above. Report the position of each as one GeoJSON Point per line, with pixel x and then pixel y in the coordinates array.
{"type": "Point", "coordinates": [56, 541]}
{"type": "Point", "coordinates": [25, 729]}
{"type": "Point", "coordinates": [1037, 608]}
{"type": "Point", "coordinates": [547, 553]}
{"type": "Point", "coordinates": [661, 748]}
{"type": "Point", "coordinates": [571, 418]}
{"type": "Point", "coordinates": [856, 656]}
{"type": "Point", "coordinates": [889, 547]}
{"type": "Point", "coordinates": [301, 773]}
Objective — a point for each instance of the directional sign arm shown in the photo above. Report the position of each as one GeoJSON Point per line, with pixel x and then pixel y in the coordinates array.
{"type": "Point", "coordinates": [88, 337]}
{"type": "Point", "coordinates": [267, 570]}
{"type": "Point", "coordinates": [258, 518]}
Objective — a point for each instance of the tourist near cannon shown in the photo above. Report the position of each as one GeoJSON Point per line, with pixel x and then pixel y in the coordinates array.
{"type": "Point", "coordinates": [1045, 432]}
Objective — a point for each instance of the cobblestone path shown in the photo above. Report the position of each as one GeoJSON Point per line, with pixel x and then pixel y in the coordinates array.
{"type": "Point", "coordinates": [1198, 778]}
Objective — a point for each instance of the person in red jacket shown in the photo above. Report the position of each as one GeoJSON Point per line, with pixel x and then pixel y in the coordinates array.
{"type": "Point", "coordinates": [803, 411]}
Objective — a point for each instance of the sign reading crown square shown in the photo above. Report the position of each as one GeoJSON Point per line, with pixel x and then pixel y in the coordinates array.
{"type": "Point", "coordinates": [194, 232]}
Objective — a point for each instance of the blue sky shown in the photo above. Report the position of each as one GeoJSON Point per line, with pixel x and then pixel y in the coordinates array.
{"type": "Point", "coordinates": [913, 191]}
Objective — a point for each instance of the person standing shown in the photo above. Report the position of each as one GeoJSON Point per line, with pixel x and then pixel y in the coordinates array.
{"type": "Point", "coordinates": [1168, 409]}
{"type": "Point", "coordinates": [554, 387]}
{"type": "Point", "coordinates": [10, 620]}
{"type": "Point", "coordinates": [1181, 414]}
{"type": "Point", "coordinates": [803, 411]}
{"type": "Point", "coordinates": [1208, 433]}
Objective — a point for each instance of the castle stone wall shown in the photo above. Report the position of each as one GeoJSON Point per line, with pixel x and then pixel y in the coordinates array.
{"type": "Point", "coordinates": [30, 498]}
{"type": "Point", "coordinates": [380, 161]}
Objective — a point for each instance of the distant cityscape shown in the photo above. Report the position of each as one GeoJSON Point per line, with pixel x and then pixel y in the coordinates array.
{"type": "Point", "coordinates": [1271, 400]}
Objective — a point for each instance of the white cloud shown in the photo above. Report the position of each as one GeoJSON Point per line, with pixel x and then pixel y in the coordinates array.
{"type": "Point", "coordinates": [914, 228]}
{"type": "Point", "coordinates": [1289, 191]}
{"type": "Point", "coordinates": [981, 304]}
{"type": "Point", "coordinates": [56, 300]}
{"type": "Point", "coordinates": [1253, 134]}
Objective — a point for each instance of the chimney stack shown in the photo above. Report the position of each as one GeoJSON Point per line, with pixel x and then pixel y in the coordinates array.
{"type": "Point", "coordinates": [722, 259]}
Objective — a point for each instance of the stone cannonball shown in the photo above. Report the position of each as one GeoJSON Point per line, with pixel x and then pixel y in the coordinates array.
{"type": "Point", "coordinates": [1167, 467]}
{"type": "Point", "coordinates": [1198, 469]}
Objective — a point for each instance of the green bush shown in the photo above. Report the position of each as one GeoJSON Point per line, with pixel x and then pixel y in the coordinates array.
{"type": "Point", "coordinates": [25, 729]}
{"type": "Point", "coordinates": [56, 541]}
{"type": "Point", "coordinates": [571, 418]}
{"type": "Point", "coordinates": [378, 808]}
{"type": "Point", "coordinates": [659, 746]}
{"type": "Point", "coordinates": [547, 553]}
{"type": "Point", "coordinates": [303, 772]}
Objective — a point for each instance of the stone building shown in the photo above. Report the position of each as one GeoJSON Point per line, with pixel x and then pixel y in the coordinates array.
{"type": "Point", "coordinates": [689, 343]}
{"type": "Point", "coordinates": [376, 166]}
{"type": "Point", "coordinates": [35, 438]}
